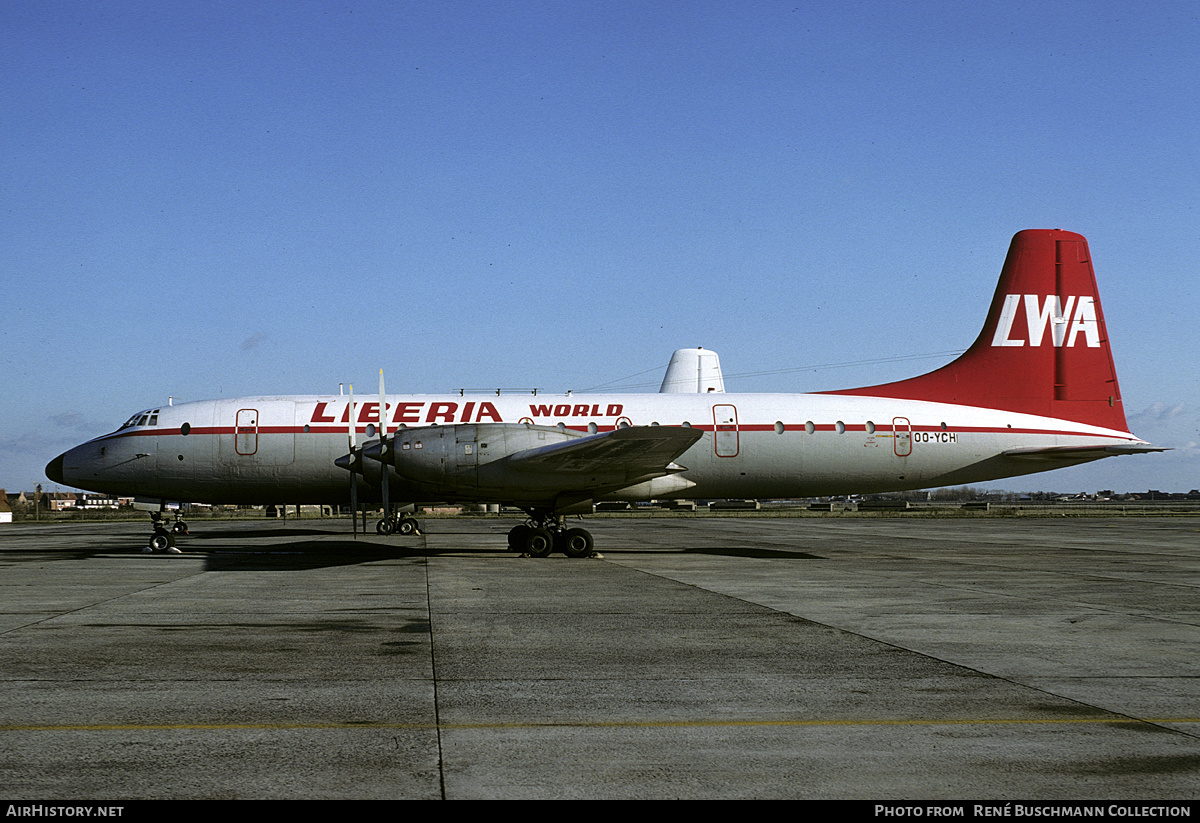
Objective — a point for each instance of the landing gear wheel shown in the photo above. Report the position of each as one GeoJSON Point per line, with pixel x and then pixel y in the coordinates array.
{"type": "Point", "coordinates": [575, 542]}
{"type": "Point", "coordinates": [161, 541]}
{"type": "Point", "coordinates": [383, 527]}
{"type": "Point", "coordinates": [539, 543]}
{"type": "Point", "coordinates": [180, 527]}
{"type": "Point", "coordinates": [407, 526]}
{"type": "Point", "coordinates": [517, 537]}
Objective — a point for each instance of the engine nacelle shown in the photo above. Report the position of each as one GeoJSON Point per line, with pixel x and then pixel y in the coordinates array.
{"type": "Point", "coordinates": [530, 465]}
{"type": "Point", "coordinates": [467, 459]}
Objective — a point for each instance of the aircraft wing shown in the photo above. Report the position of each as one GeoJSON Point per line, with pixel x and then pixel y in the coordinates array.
{"type": "Point", "coordinates": [1050, 453]}
{"type": "Point", "coordinates": [636, 451]}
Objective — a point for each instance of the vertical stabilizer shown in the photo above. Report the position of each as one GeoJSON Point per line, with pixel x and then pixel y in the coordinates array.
{"type": "Point", "coordinates": [1044, 347]}
{"type": "Point", "coordinates": [693, 371]}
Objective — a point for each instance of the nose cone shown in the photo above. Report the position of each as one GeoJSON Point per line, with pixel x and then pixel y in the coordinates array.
{"type": "Point", "coordinates": [54, 469]}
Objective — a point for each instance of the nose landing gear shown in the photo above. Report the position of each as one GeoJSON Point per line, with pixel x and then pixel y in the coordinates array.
{"type": "Point", "coordinates": [163, 538]}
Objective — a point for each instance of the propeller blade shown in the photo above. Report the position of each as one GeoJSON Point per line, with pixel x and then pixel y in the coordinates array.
{"type": "Point", "coordinates": [353, 460]}
{"type": "Point", "coordinates": [383, 444]}
{"type": "Point", "coordinates": [354, 504]}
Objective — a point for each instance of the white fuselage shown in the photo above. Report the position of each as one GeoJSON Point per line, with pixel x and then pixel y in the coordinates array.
{"type": "Point", "coordinates": [282, 449]}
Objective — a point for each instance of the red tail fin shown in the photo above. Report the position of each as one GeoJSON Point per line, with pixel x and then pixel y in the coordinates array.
{"type": "Point", "coordinates": [1044, 348]}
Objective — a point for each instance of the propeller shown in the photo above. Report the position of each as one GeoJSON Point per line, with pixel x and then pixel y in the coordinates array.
{"type": "Point", "coordinates": [383, 446]}
{"type": "Point", "coordinates": [354, 462]}
{"type": "Point", "coordinates": [353, 459]}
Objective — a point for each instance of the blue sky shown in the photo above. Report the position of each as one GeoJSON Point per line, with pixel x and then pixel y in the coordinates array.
{"type": "Point", "coordinates": [210, 199]}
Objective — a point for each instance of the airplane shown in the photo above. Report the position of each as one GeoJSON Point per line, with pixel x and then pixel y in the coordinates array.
{"type": "Point", "coordinates": [1037, 390]}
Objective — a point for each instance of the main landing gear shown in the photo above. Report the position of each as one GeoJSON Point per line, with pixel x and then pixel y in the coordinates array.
{"type": "Point", "coordinates": [402, 525]}
{"type": "Point", "coordinates": [544, 533]}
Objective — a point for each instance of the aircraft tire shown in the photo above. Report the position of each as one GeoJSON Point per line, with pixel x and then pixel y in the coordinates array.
{"type": "Point", "coordinates": [407, 526]}
{"type": "Point", "coordinates": [161, 540]}
{"type": "Point", "coordinates": [576, 543]}
{"type": "Point", "coordinates": [383, 527]}
{"type": "Point", "coordinates": [539, 543]}
{"type": "Point", "coordinates": [180, 527]}
{"type": "Point", "coordinates": [517, 536]}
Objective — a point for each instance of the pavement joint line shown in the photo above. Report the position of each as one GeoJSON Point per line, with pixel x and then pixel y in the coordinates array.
{"type": "Point", "coordinates": [601, 724]}
{"type": "Point", "coordinates": [905, 647]}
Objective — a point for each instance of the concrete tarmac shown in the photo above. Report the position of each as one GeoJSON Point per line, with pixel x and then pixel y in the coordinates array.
{"type": "Point", "coordinates": [741, 657]}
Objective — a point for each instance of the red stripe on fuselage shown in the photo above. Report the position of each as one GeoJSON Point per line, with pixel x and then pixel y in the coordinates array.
{"type": "Point", "coordinates": [756, 427]}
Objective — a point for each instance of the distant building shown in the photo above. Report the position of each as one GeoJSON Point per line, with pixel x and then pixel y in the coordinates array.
{"type": "Point", "coordinates": [5, 510]}
{"type": "Point", "coordinates": [96, 501]}
{"type": "Point", "coordinates": [58, 501]}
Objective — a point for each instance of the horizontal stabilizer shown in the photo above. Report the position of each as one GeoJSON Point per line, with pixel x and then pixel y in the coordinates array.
{"type": "Point", "coordinates": [1065, 453]}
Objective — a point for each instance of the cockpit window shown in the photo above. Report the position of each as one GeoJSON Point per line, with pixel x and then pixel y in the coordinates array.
{"type": "Point", "coordinates": [142, 418]}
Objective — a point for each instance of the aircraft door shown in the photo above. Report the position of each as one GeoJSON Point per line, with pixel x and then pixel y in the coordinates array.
{"type": "Point", "coordinates": [466, 447]}
{"type": "Point", "coordinates": [901, 436]}
{"type": "Point", "coordinates": [245, 440]}
{"type": "Point", "coordinates": [725, 430]}
{"type": "Point", "coordinates": [259, 438]}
